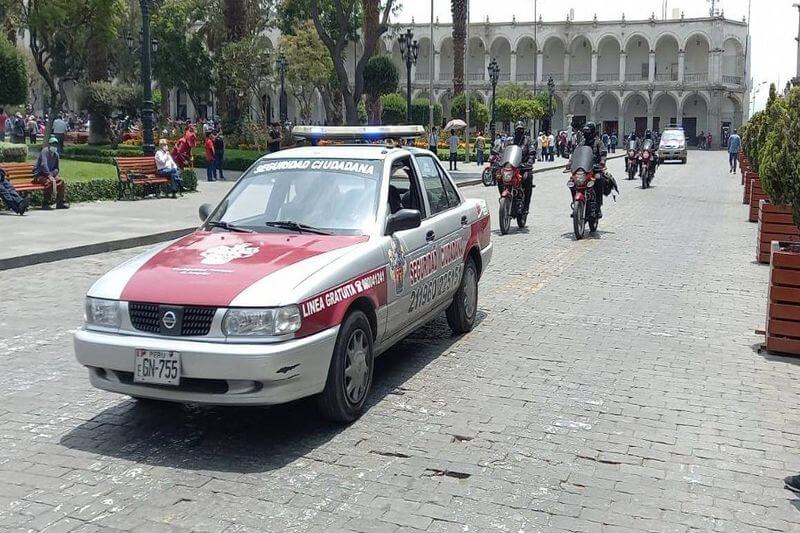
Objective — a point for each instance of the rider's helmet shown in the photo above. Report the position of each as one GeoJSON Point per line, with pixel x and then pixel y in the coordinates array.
{"type": "Point", "coordinates": [519, 126]}
{"type": "Point", "coordinates": [589, 131]}
{"type": "Point", "coordinates": [648, 135]}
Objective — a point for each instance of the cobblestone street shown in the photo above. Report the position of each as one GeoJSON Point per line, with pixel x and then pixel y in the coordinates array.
{"type": "Point", "coordinates": [612, 384]}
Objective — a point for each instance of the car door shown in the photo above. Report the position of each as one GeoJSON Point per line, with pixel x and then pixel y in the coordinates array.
{"type": "Point", "coordinates": [405, 248]}
{"type": "Point", "coordinates": [447, 227]}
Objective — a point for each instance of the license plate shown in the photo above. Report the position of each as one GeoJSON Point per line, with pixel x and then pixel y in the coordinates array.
{"type": "Point", "coordinates": [157, 367]}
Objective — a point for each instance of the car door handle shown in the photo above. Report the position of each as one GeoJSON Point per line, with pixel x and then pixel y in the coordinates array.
{"type": "Point", "coordinates": [464, 220]}
{"type": "Point", "coordinates": [430, 236]}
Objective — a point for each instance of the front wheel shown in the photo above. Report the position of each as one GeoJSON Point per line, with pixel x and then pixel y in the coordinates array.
{"type": "Point", "coordinates": [505, 215]}
{"type": "Point", "coordinates": [644, 181]}
{"type": "Point", "coordinates": [486, 177]}
{"type": "Point", "coordinates": [521, 221]}
{"type": "Point", "coordinates": [631, 172]}
{"type": "Point", "coordinates": [593, 225]}
{"type": "Point", "coordinates": [462, 311]}
{"type": "Point", "coordinates": [579, 219]}
{"type": "Point", "coordinates": [350, 372]}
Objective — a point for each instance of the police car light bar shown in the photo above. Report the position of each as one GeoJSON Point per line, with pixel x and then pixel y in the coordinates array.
{"type": "Point", "coordinates": [367, 133]}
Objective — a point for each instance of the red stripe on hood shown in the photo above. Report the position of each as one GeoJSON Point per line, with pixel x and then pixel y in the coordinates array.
{"type": "Point", "coordinates": [212, 268]}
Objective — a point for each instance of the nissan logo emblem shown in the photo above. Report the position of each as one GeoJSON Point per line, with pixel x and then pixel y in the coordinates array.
{"type": "Point", "coordinates": [169, 320]}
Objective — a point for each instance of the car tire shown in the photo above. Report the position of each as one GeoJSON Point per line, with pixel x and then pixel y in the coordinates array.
{"type": "Point", "coordinates": [462, 311]}
{"type": "Point", "coordinates": [683, 161]}
{"type": "Point", "coordinates": [350, 372]}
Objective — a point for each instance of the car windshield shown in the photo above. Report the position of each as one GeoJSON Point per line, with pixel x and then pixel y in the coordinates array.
{"type": "Point", "coordinates": [337, 196]}
{"type": "Point", "coordinates": [672, 136]}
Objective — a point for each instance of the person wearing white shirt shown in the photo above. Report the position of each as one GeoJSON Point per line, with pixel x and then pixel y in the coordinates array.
{"type": "Point", "coordinates": [59, 132]}
{"type": "Point", "coordinates": [551, 143]}
{"type": "Point", "coordinates": [165, 166]}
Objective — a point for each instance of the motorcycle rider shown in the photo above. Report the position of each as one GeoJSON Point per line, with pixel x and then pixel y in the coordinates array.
{"type": "Point", "coordinates": [591, 140]}
{"type": "Point", "coordinates": [528, 159]}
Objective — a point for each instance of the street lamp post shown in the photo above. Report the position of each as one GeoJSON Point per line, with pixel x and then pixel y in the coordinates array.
{"type": "Point", "coordinates": [281, 63]}
{"type": "Point", "coordinates": [146, 49]}
{"type": "Point", "coordinates": [551, 89]}
{"type": "Point", "coordinates": [494, 75]}
{"type": "Point", "coordinates": [409, 50]}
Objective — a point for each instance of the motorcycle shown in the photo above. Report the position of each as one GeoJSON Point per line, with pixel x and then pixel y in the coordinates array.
{"type": "Point", "coordinates": [647, 162]}
{"type": "Point", "coordinates": [512, 195]}
{"type": "Point", "coordinates": [585, 207]}
{"type": "Point", "coordinates": [490, 172]}
{"type": "Point", "coordinates": [632, 160]}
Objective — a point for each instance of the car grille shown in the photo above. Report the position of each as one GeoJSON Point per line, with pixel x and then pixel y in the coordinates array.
{"type": "Point", "coordinates": [196, 320]}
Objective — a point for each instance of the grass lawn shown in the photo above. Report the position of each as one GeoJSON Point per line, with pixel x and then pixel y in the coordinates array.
{"type": "Point", "coordinates": [74, 171]}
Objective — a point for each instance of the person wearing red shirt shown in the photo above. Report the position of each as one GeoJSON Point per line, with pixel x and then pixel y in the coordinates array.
{"type": "Point", "coordinates": [190, 136]}
{"type": "Point", "coordinates": [210, 167]}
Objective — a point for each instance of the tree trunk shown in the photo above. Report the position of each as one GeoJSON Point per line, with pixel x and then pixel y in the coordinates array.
{"type": "Point", "coordinates": [235, 16]}
{"type": "Point", "coordinates": [97, 70]}
{"type": "Point", "coordinates": [332, 100]}
{"type": "Point", "coordinates": [459, 10]}
{"type": "Point", "coordinates": [374, 109]}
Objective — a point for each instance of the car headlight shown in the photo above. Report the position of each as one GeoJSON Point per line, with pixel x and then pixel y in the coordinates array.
{"type": "Point", "coordinates": [104, 313]}
{"type": "Point", "coordinates": [261, 322]}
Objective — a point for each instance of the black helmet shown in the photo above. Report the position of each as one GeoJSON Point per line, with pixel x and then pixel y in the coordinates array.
{"type": "Point", "coordinates": [647, 134]}
{"type": "Point", "coordinates": [589, 129]}
{"type": "Point", "coordinates": [519, 125]}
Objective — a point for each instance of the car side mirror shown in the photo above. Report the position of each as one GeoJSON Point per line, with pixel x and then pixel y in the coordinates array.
{"type": "Point", "coordinates": [403, 220]}
{"type": "Point", "coordinates": [204, 211]}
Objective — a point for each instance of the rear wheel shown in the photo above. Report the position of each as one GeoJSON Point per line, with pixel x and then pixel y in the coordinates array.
{"type": "Point", "coordinates": [486, 177]}
{"type": "Point", "coordinates": [461, 313]}
{"type": "Point", "coordinates": [350, 372]}
{"type": "Point", "coordinates": [505, 215]}
{"type": "Point", "coordinates": [578, 219]}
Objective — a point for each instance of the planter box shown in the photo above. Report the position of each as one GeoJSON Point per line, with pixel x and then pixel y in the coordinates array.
{"type": "Point", "coordinates": [748, 178]}
{"type": "Point", "coordinates": [774, 224]}
{"type": "Point", "coordinates": [756, 195]}
{"type": "Point", "coordinates": [783, 310]}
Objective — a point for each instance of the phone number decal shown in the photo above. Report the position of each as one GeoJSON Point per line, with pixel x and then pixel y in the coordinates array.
{"type": "Point", "coordinates": [430, 290]}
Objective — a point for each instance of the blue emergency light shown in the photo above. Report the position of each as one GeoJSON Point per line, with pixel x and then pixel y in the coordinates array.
{"type": "Point", "coordinates": [356, 133]}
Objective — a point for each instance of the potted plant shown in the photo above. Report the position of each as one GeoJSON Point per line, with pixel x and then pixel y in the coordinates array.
{"type": "Point", "coordinates": [779, 168]}
{"type": "Point", "coordinates": [751, 142]}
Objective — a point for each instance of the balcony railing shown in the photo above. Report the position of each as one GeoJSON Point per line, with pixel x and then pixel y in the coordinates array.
{"type": "Point", "coordinates": [526, 76]}
{"type": "Point", "coordinates": [666, 76]}
{"type": "Point", "coordinates": [475, 76]}
{"type": "Point", "coordinates": [695, 77]}
{"type": "Point", "coordinates": [732, 80]}
{"type": "Point", "coordinates": [504, 76]}
{"type": "Point", "coordinates": [422, 75]}
{"type": "Point", "coordinates": [608, 76]}
{"type": "Point", "coordinates": [445, 76]}
{"type": "Point", "coordinates": [556, 77]}
{"type": "Point", "coordinates": [634, 76]}
{"type": "Point", "coordinates": [580, 76]}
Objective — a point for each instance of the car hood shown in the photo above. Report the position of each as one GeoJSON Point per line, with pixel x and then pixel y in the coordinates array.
{"type": "Point", "coordinates": [212, 268]}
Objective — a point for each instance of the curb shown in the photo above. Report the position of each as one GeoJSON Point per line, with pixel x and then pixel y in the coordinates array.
{"type": "Point", "coordinates": [91, 249]}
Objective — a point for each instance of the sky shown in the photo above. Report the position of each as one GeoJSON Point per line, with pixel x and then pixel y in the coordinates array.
{"type": "Point", "coordinates": [773, 24]}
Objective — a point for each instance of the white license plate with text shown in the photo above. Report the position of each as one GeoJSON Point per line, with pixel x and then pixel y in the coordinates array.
{"type": "Point", "coordinates": [157, 367]}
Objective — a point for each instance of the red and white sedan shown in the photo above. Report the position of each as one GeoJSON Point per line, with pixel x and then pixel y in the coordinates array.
{"type": "Point", "coordinates": [317, 261]}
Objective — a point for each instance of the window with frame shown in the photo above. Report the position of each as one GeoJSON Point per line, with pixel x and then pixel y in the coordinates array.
{"type": "Point", "coordinates": [404, 188]}
{"type": "Point", "coordinates": [439, 190]}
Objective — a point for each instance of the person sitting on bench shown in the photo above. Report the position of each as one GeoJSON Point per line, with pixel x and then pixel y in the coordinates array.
{"type": "Point", "coordinates": [165, 166]}
{"type": "Point", "coordinates": [10, 196]}
{"type": "Point", "coordinates": [45, 173]}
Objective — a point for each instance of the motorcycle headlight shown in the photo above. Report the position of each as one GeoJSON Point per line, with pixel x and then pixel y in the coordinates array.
{"type": "Point", "coordinates": [580, 178]}
{"type": "Point", "coordinates": [508, 175]}
{"type": "Point", "coordinates": [261, 322]}
{"type": "Point", "coordinates": [103, 313]}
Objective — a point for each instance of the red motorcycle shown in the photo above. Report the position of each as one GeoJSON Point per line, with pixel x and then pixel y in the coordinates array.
{"type": "Point", "coordinates": [647, 163]}
{"type": "Point", "coordinates": [512, 195]}
{"type": "Point", "coordinates": [585, 207]}
{"type": "Point", "coordinates": [489, 173]}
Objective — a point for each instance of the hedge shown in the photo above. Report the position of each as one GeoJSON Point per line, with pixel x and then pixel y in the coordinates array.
{"type": "Point", "coordinates": [13, 153]}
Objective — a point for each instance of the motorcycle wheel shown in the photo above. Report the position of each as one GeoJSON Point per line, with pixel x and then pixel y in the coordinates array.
{"type": "Point", "coordinates": [644, 181]}
{"type": "Point", "coordinates": [593, 225]}
{"type": "Point", "coordinates": [579, 219]}
{"type": "Point", "coordinates": [521, 221]}
{"type": "Point", "coordinates": [505, 215]}
{"type": "Point", "coordinates": [487, 178]}
{"type": "Point", "coordinates": [631, 172]}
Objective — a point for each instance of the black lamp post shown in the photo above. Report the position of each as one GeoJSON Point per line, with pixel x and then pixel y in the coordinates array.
{"type": "Point", "coordinates": [281, 63]}
{"type": "Point", "coordinates": [409, 50]}
{"type": "Point", "coordinates": [494, 75]}
{"type": "Point", "coordinates": [148, 146]}
{"type": "Point", "coordinates": [551, 89]}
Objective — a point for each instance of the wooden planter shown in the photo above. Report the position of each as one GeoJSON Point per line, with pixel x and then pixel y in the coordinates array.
{"type": "Point", "coordinates": [748, 178]}
{"type": "Point", "coordinates": [756, 195]}
{"type": "Point", "coordinates": [774, 224]}
{"type": "Point", "coordinates": [783, 312]}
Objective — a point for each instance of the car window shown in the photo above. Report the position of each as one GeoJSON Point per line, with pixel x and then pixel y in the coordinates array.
{"type": "Point", "coordinates": [452, 194]}
{"type": "Point", "coordinates": [404, 188]}
{"type": "Point", "coordinates": [433, 184]}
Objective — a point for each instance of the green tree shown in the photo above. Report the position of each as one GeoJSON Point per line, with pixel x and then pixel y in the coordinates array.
{"type": "Point", "coordinates": [14, 81]}
{"type": "Point", "coordinates": [393, 108]}
{"type": "Point", "coordinates": [309, 68]}
{"type": "Point", "coordinates": [504, 109]}
{"type": "Point", "coordinates": [420, 108]}
{"type": "Point", "coordinates": [245, 66]}
{"type": "Point", "coordinates": [780, 160]}
{"type": "Point", "coordinates": [458, 9]}
{"type": "Point", "coordinates": [527, 110]}
{"type": "Point", "coordinates": [380, 77]}
{"type": "Point", "coordinates": [514, 91]}
{"type": "Point", "coordinates": [478, 112]}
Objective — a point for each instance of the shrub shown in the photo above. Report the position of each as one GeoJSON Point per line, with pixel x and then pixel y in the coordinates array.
{"type": "Point", "coordinates": [13, 153]}
{"type": "Point", "coordinates": [779, 158]}
{"type": "Point", "coordinates": [14, 79]}
{"type": "Point", "coordinates": [478, 113]}
{"type": "Point", "coordinates": [394, 109]}
{"type": "Point", "coordinates": [420, 108]}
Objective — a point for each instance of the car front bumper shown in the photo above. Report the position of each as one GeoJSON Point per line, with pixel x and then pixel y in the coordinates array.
{"type": "Point", "coordinates": [212, 372]}
{"type": "Point", "coordinates": [671, 154]}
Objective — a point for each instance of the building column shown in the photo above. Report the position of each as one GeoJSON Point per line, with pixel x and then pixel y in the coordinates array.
{"type": "Point", "coordinates": [623, 60]}
{"type": "Point", "coordinates": [594, 66]}
{"type": "Point", "coordinates": [486, 60]}
{"type": "Point", "coordinates": [714, 117]}
{"type": "Point", "coordinates": [513, 73]}
{"type": "Point", "coordinates": [651, 77]}
{"type": "Point", "coordinates": [567, 58]}
{"type": "Point", "coordinates": [436, 62]}
{"type": "Point", "coordinates": [621, 127]}
{"type": "Point", "coordinates": [681, 65]}
{"type": "Point", "coordinates": [539, 66]}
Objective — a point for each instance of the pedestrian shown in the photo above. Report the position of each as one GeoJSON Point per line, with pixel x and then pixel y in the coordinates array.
{"type": "Point", "coordinates": [181, 153]}
{"type": "Point", "coordinates": [3, 118]}
{"type": "Point", "coordinates": [8, 128]}
{"type": "Point", "coordinates": [274, 137]}
{"type": "Point", "coordinates": [708, 140]}
{"type": "Point", "coordinates": [606, 138]}
{"type": "Point", "coordinates": [614, 141]}
{"type": "Point", "coordinates": [190, 136]}
{"type": "Point", "coordinates": [18, 130]}
{"type": "Point", "coordinates": [551, 145]}
{"type": "Point", "coordinates": [453, 145]}
{"type": "Point", "coordinates": [59, 132]}
{"type": "Point", "coordinates": [480, 144]}
{"type": "Point", "coordinates": [210, 166]}
{"type": "Point", "coordinates": [166, 166]}
{"type": "Point", "coordinates": [539, 145]}
{"type": "Point", "coordinates": [32, 128]}
{"type": "Point", "coordinates": [734, 145]}
{"type": "Point", "coordinates": [219, 154]}
{"type": "Point", "coordinates": [433, 142]}
{"type": "Point", "coordinates": [10, 196]}
{"type": "Point", "coordinates": [46, 172]}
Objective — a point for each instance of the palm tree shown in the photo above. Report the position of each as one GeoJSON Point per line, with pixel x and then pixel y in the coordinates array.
{"type": "Point", "coordinates": [459, 10]}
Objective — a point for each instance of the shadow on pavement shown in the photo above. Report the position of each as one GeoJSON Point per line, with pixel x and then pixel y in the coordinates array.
{"type": "Point", "coordinates": [761, 350]}
{"type": "Point", "coordinates": [243, 439]}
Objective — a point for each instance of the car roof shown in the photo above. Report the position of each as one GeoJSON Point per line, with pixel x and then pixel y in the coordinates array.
{"type": "Point", "coordinates": [340, 151]}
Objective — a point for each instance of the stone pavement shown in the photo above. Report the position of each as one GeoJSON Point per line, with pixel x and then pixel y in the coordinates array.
{"type": "Point", "coordinates": [612, 384]}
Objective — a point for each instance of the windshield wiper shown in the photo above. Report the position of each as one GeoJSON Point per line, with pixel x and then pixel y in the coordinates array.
{"type": "Point", "coordinates": [296, 226]}
{"type": "Point", "coordinates": [228, 226]}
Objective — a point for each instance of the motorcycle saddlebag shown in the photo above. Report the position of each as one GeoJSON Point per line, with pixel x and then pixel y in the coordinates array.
{"type": "Point", "coordinates": [609, 185]}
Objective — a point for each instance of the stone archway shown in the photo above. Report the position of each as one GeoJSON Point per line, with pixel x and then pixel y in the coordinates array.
{"type": "Point", "coordinates": [665, 111]}
{"type": "Point", "coordinates": [606, 113]}
{"type": "Point", "coordinates": [637, 62]}
{"type": "Point", "coordinates": [635, 114]}
{"type": "Point", "coordinates": [580, 60]}
{"type": "Point", "coordinates": [526, 60]}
